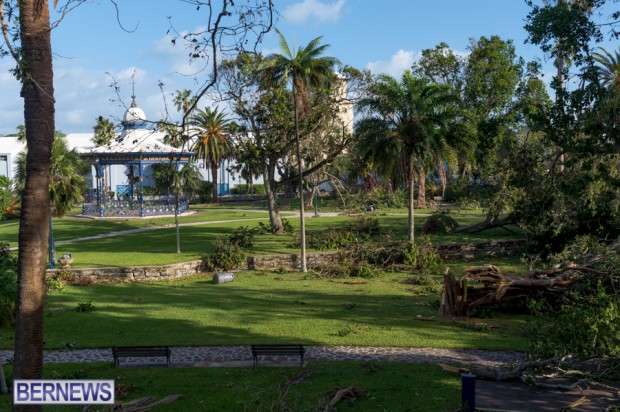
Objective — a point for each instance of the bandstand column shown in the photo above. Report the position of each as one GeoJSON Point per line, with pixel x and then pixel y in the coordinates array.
{"type": "Point", "coordinates": [141, 188]}
{"type": "Point", "coordinates": [100, 188]}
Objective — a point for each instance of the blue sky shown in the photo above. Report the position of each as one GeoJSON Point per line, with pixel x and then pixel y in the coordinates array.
{"type": "Point", "coordinates": [385, 36]}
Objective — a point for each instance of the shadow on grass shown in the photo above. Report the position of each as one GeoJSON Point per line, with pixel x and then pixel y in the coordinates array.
{"type": "Point", "coordinates": [285, 311]}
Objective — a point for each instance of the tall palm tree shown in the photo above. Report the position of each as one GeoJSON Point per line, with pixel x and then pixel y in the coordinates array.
{"type": "Point", "coordinates": [306, 68]}
{"type": "Point", "coordinates": [416, 115]}
{"type": "Point", "coordinates": [183, 100]}
{"type": "Point", "coordinates": [210, 128]}
{"type": "Point", "coordinates": [609, 67]}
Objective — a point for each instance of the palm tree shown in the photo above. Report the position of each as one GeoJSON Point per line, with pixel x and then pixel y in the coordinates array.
{"type": "Point", "coordinates": [609, 67]}
{"type": "Point", "coordinates": [67, 182]}
{"type": "Point", "coordinates": [104, 132]}
{"type": "Point", "coordinates": [210, 127]}
{"type": "Point", "coordinates": [306, 68]}
{"type": "Point", "coordinates": [417, 116]}
{"type": "Point", "coordinates": [183, 100]}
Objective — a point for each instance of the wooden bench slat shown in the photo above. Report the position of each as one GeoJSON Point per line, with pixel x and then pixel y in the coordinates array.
{"type": "Point", "coordinates": [278, 349]}
{"type": "Point", "coordinates": [140, 352]}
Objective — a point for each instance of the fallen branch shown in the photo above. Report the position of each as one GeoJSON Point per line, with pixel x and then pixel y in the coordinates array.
{"type": "Point", "coordinates": [350, 392]}
{"type": "Point", "coordinates": [459, 296]}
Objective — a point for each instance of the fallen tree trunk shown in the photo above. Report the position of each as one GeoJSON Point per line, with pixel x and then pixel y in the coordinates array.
{"type": "Point", "coordinates": [459, 296]}
{"type": "Point", "coordinates": [487, 224]}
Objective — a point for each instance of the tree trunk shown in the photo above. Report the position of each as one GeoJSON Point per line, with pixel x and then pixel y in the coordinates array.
{"type": "Point", "coordinates": [176, 222]}
{"type": "Point", "coordinates": [410, 234]}
{"type": "Point", "coordinates": [443, 177]}
{"type": "Point", "coordinates": [37, 91]}
{"type": "Point", "coordinates": [422, 189]}
{"type": "Point", "coordinates": [302, 220]}
{"type": "Point", "coordinates": [272, 205]}
{"type": "Point", "coordinates": [489, 285]}
{"type": "Point", "coordinates": [214, 167]}
{"type": "Point", "coordinates": [312, 191]}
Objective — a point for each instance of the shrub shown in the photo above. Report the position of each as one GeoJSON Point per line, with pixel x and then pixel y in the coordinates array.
{"type": "Point", "coordinates": [226, 256]}
{"type": "Point", "coordinates": [327, 239]}
{"type": "Point", "coordinates": [244, 189]}
{"type": "Point", "coordinates": [335, 238]}
{"type": "Point", "coordinates": [380, 198]}
{"type": "Point", "coordinates": [8, 285]}
{"type": "Point", "coordinates": [439, 223]}
{"type": "Point", "coordinates": [242, 237]}
{"type": "Point", "coordinates": [365, 226]}
{"type": "Point", "coordinates": [585, 321]}
{"type": "Point", "coordinates": [85, 307]}
{"type": "Point", "coordinates": [469, 204]}
{"type": "Point", "coordinates": [422, 257]}
{"type": "Point", "coordinates": [205, 192]}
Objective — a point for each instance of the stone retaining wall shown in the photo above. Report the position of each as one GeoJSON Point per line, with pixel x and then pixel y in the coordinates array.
{"type": "Point", "coordinates": [290, 261]}
{"type": "Point", "coordinates": [135, 273]}
{"type": "Point", "coordinates": [462, 251]}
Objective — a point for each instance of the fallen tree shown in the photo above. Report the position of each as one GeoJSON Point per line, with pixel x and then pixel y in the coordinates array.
{"type": "Point", "coordinates": [488, 284]}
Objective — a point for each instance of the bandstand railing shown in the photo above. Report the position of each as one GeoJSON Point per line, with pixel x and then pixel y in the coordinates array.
{"type": "Point", "coordinates": [150, 206]}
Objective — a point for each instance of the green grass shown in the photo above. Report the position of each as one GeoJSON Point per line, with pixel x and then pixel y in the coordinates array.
{"type": "Point", "coordinates": [265, 308]}
{"type": "Point", "coordinates": [70, 227]}
{"type": "Point", "coordinates": [159, 247]}
{"type": "Point", "coordinates": [387, 386]}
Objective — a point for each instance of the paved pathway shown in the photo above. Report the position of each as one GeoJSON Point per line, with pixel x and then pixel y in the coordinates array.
{"type": "Point", "coordinates": [197, 355]}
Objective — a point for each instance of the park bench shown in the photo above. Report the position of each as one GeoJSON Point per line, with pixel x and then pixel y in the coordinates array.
{"type": "Point", "coordinates": [278, 349]}
{"type": "Point", "coordinates": [140, 352]}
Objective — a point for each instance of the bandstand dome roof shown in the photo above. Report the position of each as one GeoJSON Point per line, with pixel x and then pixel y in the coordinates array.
{"type": "Point", "coordinates": [138, 136]}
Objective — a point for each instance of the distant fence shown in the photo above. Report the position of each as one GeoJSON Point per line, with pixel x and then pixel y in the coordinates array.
{"type": "Point", "coordinates": [125, 208]}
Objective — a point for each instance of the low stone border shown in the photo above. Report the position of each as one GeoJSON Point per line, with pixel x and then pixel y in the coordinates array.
{"type": "Point", "coordinates": [131, 273]}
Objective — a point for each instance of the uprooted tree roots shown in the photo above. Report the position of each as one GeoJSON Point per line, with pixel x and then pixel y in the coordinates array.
{"type": "Point", "coordinates": [488, 284]}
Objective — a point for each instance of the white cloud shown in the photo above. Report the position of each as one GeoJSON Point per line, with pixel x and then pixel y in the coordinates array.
{"type": "Point", "coordinates": [400, 61]}
{"type": "Point", "coordinates": [313, 9]}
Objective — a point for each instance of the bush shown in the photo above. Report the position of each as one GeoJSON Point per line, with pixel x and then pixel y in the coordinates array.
{"type": "Point", "coordinates": [226, 256]}
{"type": "Point", "coordinates": [439, 223]}
{"type": "Point", "coordinates": [242, 237]}
{"type": "Point", "coordinates": [365, 227]}
{"type": "Point", "coordinates": [205, 192]}
{"type": "Point", "coordinates": [335, 238]}
{"type": "Point", "coordinates": [422, 257]}
{"type": "Point", "coordinates": [585, 321]}
{"type": "Point", "coordinates": [469, 204]}
{"type": "Point", "coordinates": [380, 198]}
{"type": "Point", "coordinates": [243, 189]}
{"type": "Point", "coordinates": [85, 307]}
{"type": "Point", "coordinates": [8, 285]}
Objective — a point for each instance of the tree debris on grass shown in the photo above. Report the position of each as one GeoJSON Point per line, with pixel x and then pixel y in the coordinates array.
{"type": "Point", "coordinates": [458, 297]}
{"type": "Point", "coordinates": [137, 405]}
{"type": "Point", "coordinates": [351, 392]}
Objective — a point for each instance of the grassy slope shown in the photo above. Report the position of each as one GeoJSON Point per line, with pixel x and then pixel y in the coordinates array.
{"type": "Point", "coordinates": [388, 386]}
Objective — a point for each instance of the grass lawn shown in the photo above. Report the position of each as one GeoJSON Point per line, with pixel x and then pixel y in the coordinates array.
{"type": "Point", "coordinates": [159, 247]}
{"type": "Point", "coordinates": [267, 308]}
{"type": "Point", "coordinates": [387, 386]}
{"type": "Point", "coordinates": [70, 227]}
